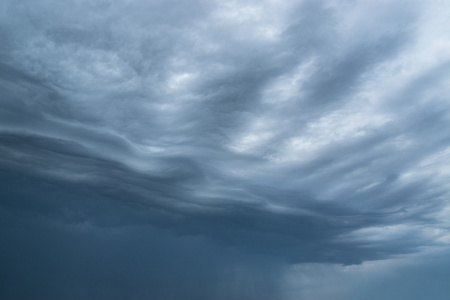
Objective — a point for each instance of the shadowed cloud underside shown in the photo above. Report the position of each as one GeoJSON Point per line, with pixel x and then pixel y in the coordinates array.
{"type": "Point", "coordinates": [219, 145]}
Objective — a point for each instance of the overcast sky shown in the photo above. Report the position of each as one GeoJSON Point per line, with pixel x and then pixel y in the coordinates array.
{"type": "Point", "coordinates": [295, 149]}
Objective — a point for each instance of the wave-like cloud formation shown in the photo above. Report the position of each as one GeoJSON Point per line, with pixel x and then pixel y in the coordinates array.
{"type": "Point", "coordinates": [304, 131]}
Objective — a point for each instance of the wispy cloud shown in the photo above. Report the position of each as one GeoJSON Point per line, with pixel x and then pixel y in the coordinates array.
{"type": "Point", "coordinates": [297, 131]}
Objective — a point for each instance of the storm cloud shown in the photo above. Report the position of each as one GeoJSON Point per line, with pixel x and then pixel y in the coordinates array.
{"type": "Point", "coordinates": [222, 149]}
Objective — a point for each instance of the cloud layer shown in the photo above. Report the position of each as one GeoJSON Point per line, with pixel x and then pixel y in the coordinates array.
{"type": "Point", "coordinates": [255, 134]}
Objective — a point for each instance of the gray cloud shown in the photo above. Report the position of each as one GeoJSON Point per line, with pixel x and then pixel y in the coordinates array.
{"type": "Point", "coordinates": [256, 136]}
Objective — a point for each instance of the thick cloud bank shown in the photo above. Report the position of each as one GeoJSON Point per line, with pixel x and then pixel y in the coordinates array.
{"type": "Point", "coordinates": [222, 149]}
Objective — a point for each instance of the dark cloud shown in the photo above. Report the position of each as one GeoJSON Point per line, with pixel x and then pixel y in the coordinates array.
{"type": "Point", "coordinates": [206, 150]}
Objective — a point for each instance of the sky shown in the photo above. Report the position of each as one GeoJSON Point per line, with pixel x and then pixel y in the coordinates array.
{"type": "Point", "coordinates": [291, 149]}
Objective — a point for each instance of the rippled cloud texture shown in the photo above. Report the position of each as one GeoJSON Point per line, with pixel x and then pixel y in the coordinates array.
{"type": "Point", "coordinates": [224, 149]}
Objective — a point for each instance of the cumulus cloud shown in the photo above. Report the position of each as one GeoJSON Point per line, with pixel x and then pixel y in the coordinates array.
{"type": "Point", "coordinates": [259, 135]}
